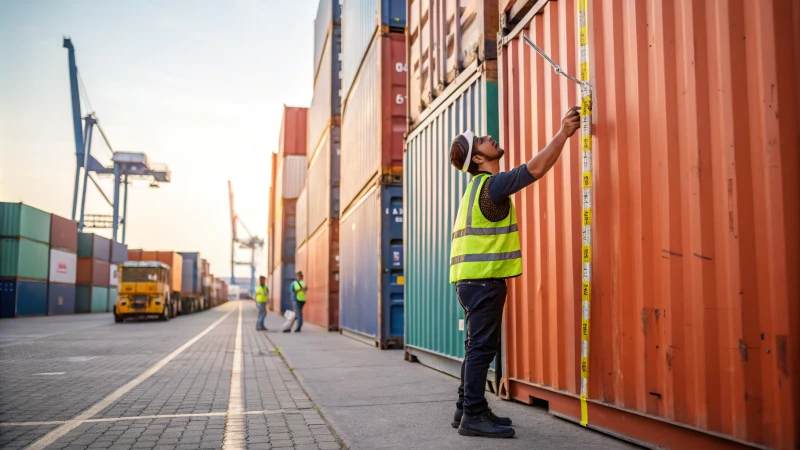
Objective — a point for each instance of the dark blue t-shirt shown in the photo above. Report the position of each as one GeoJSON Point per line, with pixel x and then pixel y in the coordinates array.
{"type": "Point", "coordinates": [506, 184]}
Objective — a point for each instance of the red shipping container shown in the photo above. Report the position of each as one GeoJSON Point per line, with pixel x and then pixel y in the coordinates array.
{"type": "Point", "coordinates": [322, 277]}
{"type": "Point", "coordinates": [695, 323]}
{"type": "Point", "coordinates": [93, 271]}
{"type": "Point", "coordinates": [63, 234]}
{"type": "Point", "coordinates": [292, 140]}
{"type": "Point", "coordinates": [175, 261]}
{"type": "Point", "coordinates": [374, 119]}
{"type": "Point", "coordinates": [149, 255]}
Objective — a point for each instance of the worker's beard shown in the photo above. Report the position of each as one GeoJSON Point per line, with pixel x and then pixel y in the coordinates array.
{"type": "Point", "coordinates": [500, 153]}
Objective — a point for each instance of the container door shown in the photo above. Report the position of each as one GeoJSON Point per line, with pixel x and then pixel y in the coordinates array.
{"type": "Point", "coordinates": [392, 253]}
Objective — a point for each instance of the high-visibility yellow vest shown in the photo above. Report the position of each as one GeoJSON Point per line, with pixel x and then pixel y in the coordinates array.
{"type": "Point", "coordinates": [262, 294]}
{"type": "Point", "coordinates": [482, 248]}
{"type": "Point", "coordinates": [298, 294]}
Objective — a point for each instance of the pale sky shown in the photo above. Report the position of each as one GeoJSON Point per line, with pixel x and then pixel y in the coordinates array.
{"type": "Point", "coordinates": [197, 85]}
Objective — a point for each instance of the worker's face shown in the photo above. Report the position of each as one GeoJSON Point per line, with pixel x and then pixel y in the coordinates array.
{"type": "Point", "coordinates": [262, 281]}
{"type": "Point", "coordinates": [487, 149]}
{"type": "Point", "coordinates": [300, 277]}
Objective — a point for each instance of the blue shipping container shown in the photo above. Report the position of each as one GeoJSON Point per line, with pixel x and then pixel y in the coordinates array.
{"type": "Point", "coordinates": [119, 252]}
{"type": "Point", "coordinates": [60, 299]}
{"type": "Point", "coordinates": [283, 276]}
{"type": "Point", "coordinates": [370, 282]}
{"type": "Point", "coordinates": [191, 282]}
{"type": "Point", "coordinates": [23, 298]}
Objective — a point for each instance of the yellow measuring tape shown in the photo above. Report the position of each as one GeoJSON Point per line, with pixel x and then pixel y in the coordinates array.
{"type": "Point", "coordinates": [586, 192]}
{"type": "Point", "coordinates": [586, 213]}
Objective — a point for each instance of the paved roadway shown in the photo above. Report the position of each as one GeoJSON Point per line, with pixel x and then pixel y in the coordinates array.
{"type": "Point", "coordinates": [209, 380]}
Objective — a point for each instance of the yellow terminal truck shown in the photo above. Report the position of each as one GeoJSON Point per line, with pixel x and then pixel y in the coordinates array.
{"type": "Point", "coordinates": [144, 290]}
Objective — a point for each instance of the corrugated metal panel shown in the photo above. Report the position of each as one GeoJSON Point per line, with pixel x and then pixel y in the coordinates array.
{"type": "Point", "coordinates": [134, 255]}
{"type": "Point", "coordinates": [91, 299]}
{"type": "Point", "coordinates": [323, 181]}
{"type": "Point", "coordinates": [271, 219]}
{"type": "Point", "coordinates": [63, 234]}
{"type": "Point", "coordinates": [325, 103]}
{"type": "Point", "coordinates": [60, 299]}
{"type": "Point", "coordinates": [301, 259]}
{"type": "Point", "coordinates": [112, 299]}
{"type": "Point", "coordinates": [285, 229]}
{"type": "Point", "coordinates": [63, 267]}
{"type": "Point", "coordinates": [374, 119]}
{"type": "Point", "coordinates": [23, 298]}
{"type": "Point", "coordinates": [432, 192]}
{"type": "Point", "coordinates": [292, 176]}
{"type": "Point", "coordinates": [361, 19]}
{"type": "Point", "coordinates": [446, 37]}
{"type": "Point", "coordinates": [293, 134]}
{"type": "Point", "coordinates": [695, 316]}
{"type": "Point", "coordinates": [278, 228]}
{"type": "Point", "coordinates": [328, 15]}
{"type": "Point", "coordinates": [20, 220]}
{"type": "Point", "coordinates": [282, 278]}
{"type": "Point", "coordinates": [23, 258]}
{"type": "Point", "coordinates": [93, 246]}
{"type": "Point", "coordinates": [301, 217]}
{"type": "Point", "coordinates": [322, 277]}
{"type": "Point", "coordinates": [371, 283]}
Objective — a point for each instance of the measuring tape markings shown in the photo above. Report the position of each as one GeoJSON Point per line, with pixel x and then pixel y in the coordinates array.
{"type": "Point", "coordinates": [586, 213]}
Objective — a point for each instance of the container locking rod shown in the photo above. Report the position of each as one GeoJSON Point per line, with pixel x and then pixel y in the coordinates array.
{"type": "Point", "coordinates": [556, 67]}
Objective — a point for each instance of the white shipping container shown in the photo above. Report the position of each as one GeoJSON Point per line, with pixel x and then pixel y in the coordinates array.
{"type": "Point", "coordinates": [291, 176]}
{"type": "Point", "coordinates": [63, 267]}
{"type": "Point", "coordinates": [113, 277]}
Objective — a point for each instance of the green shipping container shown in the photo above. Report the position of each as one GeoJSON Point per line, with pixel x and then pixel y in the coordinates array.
{"type": "Point", "coordinates": [434, 327]}
{"type": "Point", "coordinates": [23, 258]}
{"type": "Point", "coordinates": [112, 298]}
{"type": "Point", "coordinates": [91, 299]}
{"type": "Point", "coordinates": [20, 220]}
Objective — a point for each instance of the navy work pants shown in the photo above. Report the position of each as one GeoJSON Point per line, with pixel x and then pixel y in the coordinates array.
{"type": "Point", "coordinates": [483, 302]}
{"type": "Point", "coordinates": [262, 314]}
{"type": "Point", "coordinates": [298, 311]}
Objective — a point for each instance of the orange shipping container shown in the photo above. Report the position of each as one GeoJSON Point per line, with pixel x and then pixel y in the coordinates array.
{"type": "Point", "coordinates": [175, 262]}
{"type": "Point", "coordinates": [134, 255]}
{"type": "Point", "coordinates": [322, 276]}
{"type": "Point", "coordinates": [695, 317]}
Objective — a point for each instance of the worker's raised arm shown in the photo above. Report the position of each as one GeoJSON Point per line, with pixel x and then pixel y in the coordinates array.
{"type": "Point", "coordinates": [543, 161]}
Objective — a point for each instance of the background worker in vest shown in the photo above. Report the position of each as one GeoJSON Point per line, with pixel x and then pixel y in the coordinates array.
{"type": "Point", "coordinates": [262, 298]}
{"type": "Point", "coordinates": [298, 289]}
{"type": "Point", "coordinates": [485, 251]}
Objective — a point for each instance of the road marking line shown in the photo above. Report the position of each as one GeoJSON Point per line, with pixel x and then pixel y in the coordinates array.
{"type": "Point", "coordinates": [133, 418]}
{"type": "Point", "coordinates": [234, 421]}
{"type": "Point", "coordinates": [52, 436]}
{"type": "Point", "coordinates": [50, 373]}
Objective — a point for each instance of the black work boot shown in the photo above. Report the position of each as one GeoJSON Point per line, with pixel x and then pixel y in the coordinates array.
{"type": "Point", "coordinates": [504, 421]}
{"type": "Point", "coordinates": [482, 425]}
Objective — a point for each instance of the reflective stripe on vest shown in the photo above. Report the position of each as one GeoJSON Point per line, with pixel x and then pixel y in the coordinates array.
{"type": "Point", "coordinates": [482, 248]}
{"type": "Point", "coordinates": [298, 294]}
{"type": "Point", "coordinates": [262, 294]}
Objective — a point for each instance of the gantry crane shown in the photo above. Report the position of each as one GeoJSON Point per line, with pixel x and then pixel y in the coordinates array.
{"type": "Point", "coordinates": [126, 165]}
{"type": "Point", "coordinates": [252, 242]}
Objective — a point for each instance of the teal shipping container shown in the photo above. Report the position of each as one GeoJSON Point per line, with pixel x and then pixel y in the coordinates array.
{"type": "Point", "coordinates": [91, 245]}
{"type": "Point", "coordinates": [91, 299]}
{"type": "Point", "coordinates": [20, 220]}
{"type": "Point", "coordinates": [23, 258]}
{"type": "Point", "coordinates": [434, 320]}
{"type": "Point", "coordinates": [112, 298]}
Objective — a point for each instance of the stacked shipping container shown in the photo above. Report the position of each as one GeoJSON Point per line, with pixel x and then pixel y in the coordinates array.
{"type": "Point", "coordinates": [373, 123]}
{"type": "Point", "coordinates": [694, 318]}
{"type": "Point", "coordinates": [119, 254]}
{"type": "Point", "coordinates": [450, 90]}
{"type": "Point", "coordinates": [91, 294]}
{"type": "Point", "coordinates": [63, 266]}
{"type": "Point", "coordinates": [289, 179]}
{"type": "Point", "coordinates": [24, 255]}
{"type": "Point", "coordinates": [324, 134]}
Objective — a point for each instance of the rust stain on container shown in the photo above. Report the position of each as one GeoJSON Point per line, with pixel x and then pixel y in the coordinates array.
{"type": "Point", "coordinates": [690, 157]}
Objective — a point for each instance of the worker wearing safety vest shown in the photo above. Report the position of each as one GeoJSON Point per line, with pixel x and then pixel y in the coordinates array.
{"type": "Point", "coordinates": [262, 298]}
{"type": "Point", "coordinates": [298, 289]}
{"type": "Point", "coordinates": [485, 252]}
